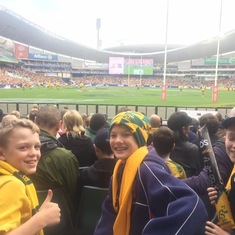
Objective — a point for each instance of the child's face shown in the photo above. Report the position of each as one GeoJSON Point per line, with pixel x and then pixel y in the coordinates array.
{"type": "Point", "coordinates": [230, 143]}
{"type": "Point", "coordinates": [22, 151]}
{"type": "Point", "coordinates": [122, 142]}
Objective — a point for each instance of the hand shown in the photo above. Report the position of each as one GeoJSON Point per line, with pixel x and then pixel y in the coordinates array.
{"type": "Point", "coordinates": [50, 211]}
{"type": "Point", "coordinates": [213, 229]}
{"type": "Point", "coordinates": [212, 194]}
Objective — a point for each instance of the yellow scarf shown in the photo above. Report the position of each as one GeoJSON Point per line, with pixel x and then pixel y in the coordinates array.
{"type": "Point", "coordinates": [122, 222]}
{"type": "Point", "coordinates": [228, 186]}
{"type": "Point", "coordinates": [7, 169]}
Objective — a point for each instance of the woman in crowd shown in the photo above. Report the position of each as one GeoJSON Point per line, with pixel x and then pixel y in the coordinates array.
{"type": "Point", "coordinates": [73, 138]}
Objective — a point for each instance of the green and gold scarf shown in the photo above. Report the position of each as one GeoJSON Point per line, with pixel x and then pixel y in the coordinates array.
{"type": "Point", "coordinates": [123, 206]}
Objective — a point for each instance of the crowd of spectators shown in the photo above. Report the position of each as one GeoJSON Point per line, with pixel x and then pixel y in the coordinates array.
{"type": "Point", "coordinates": [150, 81]}
{"type": "Point", "coordinates": [14, 77]}
{"type": "Point", "coordinates": [20, 77]}
{"type": "Point", "coordinates": [170, 141]}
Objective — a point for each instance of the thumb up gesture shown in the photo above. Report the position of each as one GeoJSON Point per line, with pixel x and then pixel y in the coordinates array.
{"type": "Point", "coordinates": [50, 212]}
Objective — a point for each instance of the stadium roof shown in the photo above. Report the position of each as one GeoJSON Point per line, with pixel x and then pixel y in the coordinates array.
{"type": "Point", "coordinates": [21, 30]}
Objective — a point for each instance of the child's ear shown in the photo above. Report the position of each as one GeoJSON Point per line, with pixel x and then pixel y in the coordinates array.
{"type": "Point", "coordinates": [2, 155]}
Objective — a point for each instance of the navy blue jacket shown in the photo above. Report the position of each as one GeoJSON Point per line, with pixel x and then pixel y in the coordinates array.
{"type": "Point", "coordinates": [162, 204]}
{"type": "Point", "coordinates": [201, 182]}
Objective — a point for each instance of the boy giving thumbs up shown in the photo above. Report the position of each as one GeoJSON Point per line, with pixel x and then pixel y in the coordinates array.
{"type": "Point", "coordinates": [19, 156]}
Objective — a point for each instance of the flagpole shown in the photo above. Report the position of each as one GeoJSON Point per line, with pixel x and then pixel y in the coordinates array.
{"type": "Point", "coordinates": [165, 56]}
{"type": "Point", "coordinates": [215, 88]}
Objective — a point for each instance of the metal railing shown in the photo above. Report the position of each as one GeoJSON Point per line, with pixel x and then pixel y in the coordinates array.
{"type": "Point", "coordinates": [111, 110]}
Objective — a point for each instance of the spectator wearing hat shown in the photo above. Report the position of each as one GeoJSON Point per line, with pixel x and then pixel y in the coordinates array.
{"type": "Point", "coordinates": [229, 125]}
{"type": "Point", "coordinates": [100, 172]}
{"type": "Point", "coordinates": [185, 153]}
{"type": "Point", "coordinates": [144, 198]}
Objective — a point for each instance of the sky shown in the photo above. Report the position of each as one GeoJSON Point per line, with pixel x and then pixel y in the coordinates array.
{"type": "Point", "coordinates": [128, 21]}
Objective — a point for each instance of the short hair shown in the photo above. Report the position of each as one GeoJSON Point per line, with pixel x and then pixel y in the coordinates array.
{"type": "Point", "coordinates": [48, 117]}
{"type": "Point", "coordinates": [73, 122]}
{"type": "Point", "coordinates": [211, 121]}
{"type": "Point", "coordinates": [98, 121]}
{"type": "Point", "coordinates": [123, 109]}
{"type": "Point", "coordinates": [155, 120]}
{"type": "Point", "coordinates": [7, 129]}
{"type": "Point", "coordinates": [163, 140]}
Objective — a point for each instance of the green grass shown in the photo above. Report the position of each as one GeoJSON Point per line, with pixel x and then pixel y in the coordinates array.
{"type": "Point", "coordinates": [118, 96]}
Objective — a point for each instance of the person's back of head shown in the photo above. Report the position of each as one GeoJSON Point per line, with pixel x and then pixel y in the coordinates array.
{"type": "Point", "coordinates": [211, 121]}
{"type": "Point", "coordinates": [219, 116]}
{"type": "Point", "coordinates": [123, 109]}
{"type": "Point", "coordinates": [73, 122]}
{"type": "Point", "coordinates": [33, 114]}
{"type": "Point", "coordinates": [179, 122]}
{"type": "Point", "coordinates": [16, 113]}
{"type": "Point", "coordinates": [35, 107]}
{"type": "Point", "coordinates": [194, 125]}
{"type": "Point", "coordinates": [1, 115]}
{"type": "Point", "coordinates": [98, 121]}
{"type": "Point", "coordinates": [85, 119]}
{"type": "Point", "coordinates": [49, 118]}
{"type": "Point", "coordinates": [163, 140]}
{"type": "Point", "coordinates": [8, 118]}
{"type": "Point", "coordinates": [62, 112]}
{"type": "Point", "coordinates": [155, 121]}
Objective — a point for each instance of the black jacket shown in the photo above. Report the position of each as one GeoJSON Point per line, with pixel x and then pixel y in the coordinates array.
{"type": "Point", "coordinates": [81, 146]}
{"type": "Point", "coordinates": [99, 173]}
{"type": "Point", "coordinates": [188, 156]}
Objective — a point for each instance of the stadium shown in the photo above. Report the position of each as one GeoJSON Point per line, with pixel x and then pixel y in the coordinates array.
{"type": "Point", "coordinates": [114, 140]}
{"type": "Point", "coordinates": [31, 56]}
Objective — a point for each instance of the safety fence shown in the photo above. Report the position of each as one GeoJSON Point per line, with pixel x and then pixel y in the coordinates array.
{"type": "Point", "coordinates": [110, 109]}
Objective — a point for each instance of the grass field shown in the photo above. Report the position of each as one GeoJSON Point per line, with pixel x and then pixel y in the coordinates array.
{"type": "Point", "coordinates": [118, 96]}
